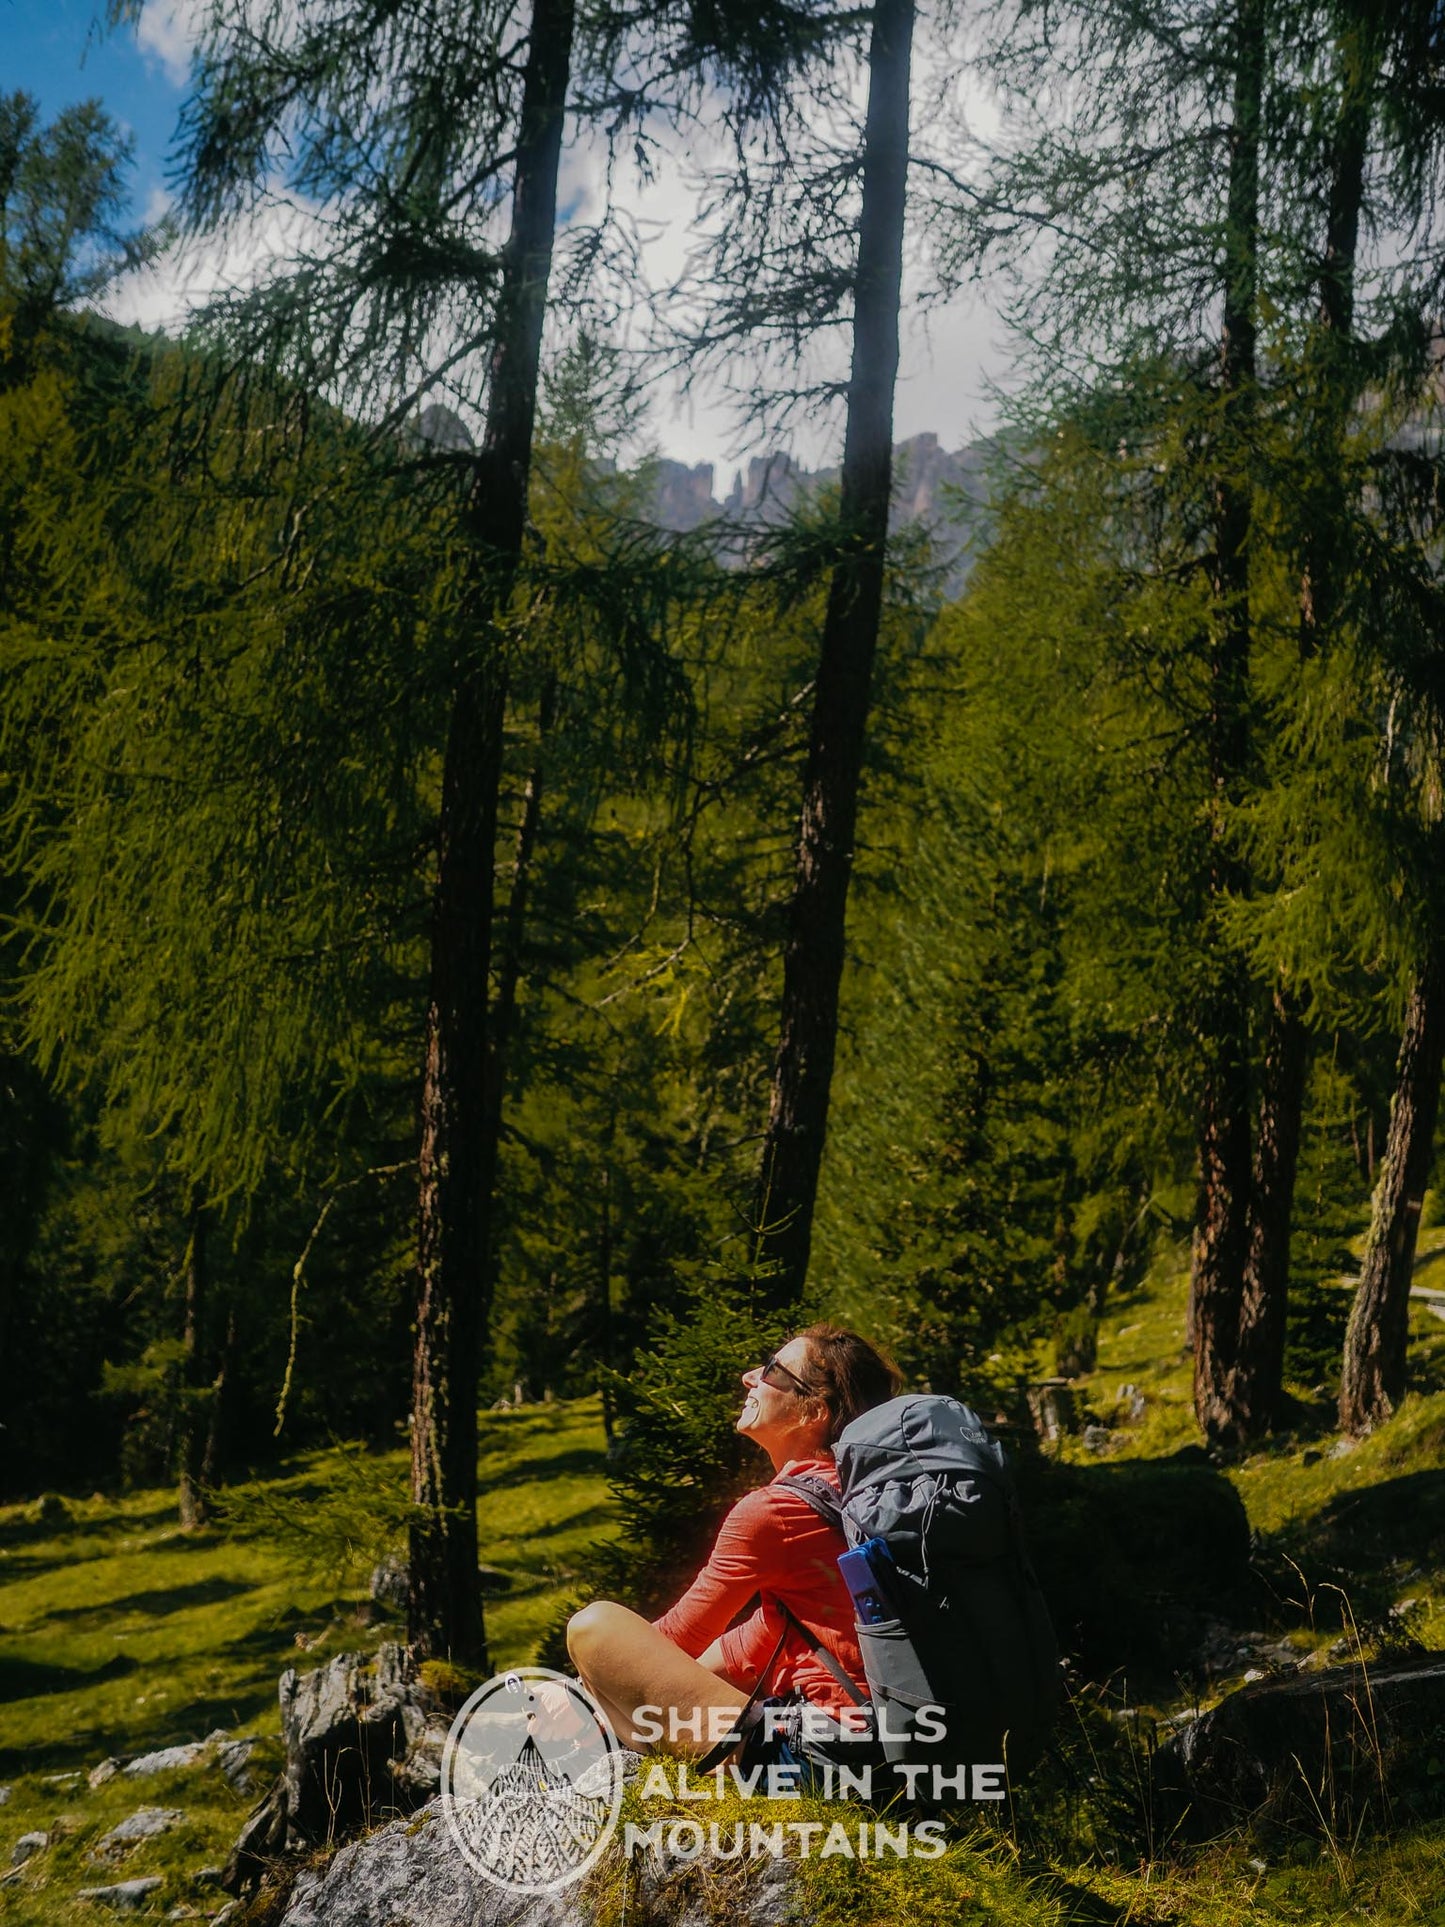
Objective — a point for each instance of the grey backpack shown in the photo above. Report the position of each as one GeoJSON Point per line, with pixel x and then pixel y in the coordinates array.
{"type": "Point", "coordinates": [965, 1626]}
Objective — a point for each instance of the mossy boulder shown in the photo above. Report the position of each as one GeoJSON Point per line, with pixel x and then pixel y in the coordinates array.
{"type": "Point", "coordinates": [1135, 1559]}
{"type": "Point", "coordinates": [1342, 1748]}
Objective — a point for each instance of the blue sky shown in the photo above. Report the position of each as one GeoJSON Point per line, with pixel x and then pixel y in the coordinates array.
{"type": "Point", "coordinates": [55, 49]}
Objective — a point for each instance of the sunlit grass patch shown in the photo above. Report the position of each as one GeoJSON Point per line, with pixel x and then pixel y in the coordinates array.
{"type": "Point", "coordinates": [120, 1634]}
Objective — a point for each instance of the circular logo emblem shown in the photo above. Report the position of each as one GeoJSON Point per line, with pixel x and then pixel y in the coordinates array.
{"type": "Point", "coordinates": [531, 1780]}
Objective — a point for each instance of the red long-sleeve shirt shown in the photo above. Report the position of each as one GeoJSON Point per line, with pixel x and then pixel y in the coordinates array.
{"type": "Point", "coordinates": [773, 1544]}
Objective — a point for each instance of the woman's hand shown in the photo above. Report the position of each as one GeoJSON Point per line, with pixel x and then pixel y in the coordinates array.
{"type": "Point", "coordinates": [558, 1710]}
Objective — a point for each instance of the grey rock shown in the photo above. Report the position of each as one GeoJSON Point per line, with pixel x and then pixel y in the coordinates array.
{"type": "Point", "coordinates": [5, 1793]}
{"type": "Point", "coordinates": [234, 1758]}
{"type": "Point", "coordinates": [26, 1845]}
{"type": "Point", "coordinates": [389, 1584]}
{"type": "Point", "coordinates": [1097, 1438]}
{"type": "Point", "coordinates": [1053, 1408]}
{"type": "Point", "coordinates": [65, 1781]}
{"type": "Point", "coordinates": [347, 1725]}
{"type": "Point", "coordinates": [682, 496]}
{"type": "Point", "coordinates": [943, 492]}
{"type": "Point", "coordinates": [358, 1750]}
{"type": "Point", "coordinates": [1133, 1401]}
{"type": "Point", "coordinates": [170, 1759]}
{"type": "Point", "coordinates": [207, 1876]}
{"type": "Point", "coordinates": [144, 1824]}
{"type": "Point", "coordinates": [125, 1897]}
{"type": "Point", "coordinates": [105, 1770]}
{"type": "Point", "coordinates": [1351, 1744]}
{"type": "Point", "coordinates": [440, 428]}
{"type": "Point", "coordinates": [410, 1874]}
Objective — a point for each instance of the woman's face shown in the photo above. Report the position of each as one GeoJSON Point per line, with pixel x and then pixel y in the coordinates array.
{"type": "Point", "coordinates": [777, 1408]}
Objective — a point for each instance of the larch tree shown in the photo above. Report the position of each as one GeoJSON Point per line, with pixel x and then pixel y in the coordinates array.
{"type": "Point", "coordinates": [1328, 393]}
{"type": "Point", "coordinates": [1139, 214]}
{"type": "Point", "coordinates": [1200, 184]}
{"type": "Point", "coordinates": [430, 141]}
{"type": "Point", "coordinates": [810, 242]}
{"type": "Point", "coordinates": [1222, 1226]}
{"type": "Point", "coordinates": [423, 147]}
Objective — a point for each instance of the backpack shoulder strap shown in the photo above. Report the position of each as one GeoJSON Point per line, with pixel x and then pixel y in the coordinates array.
{"type": "Point", "coordinates": [718, 1753]}
{"type": "Point", "coordinates": [822, 1652]}
{"type": "Point", "coordinates": [817, 1493]}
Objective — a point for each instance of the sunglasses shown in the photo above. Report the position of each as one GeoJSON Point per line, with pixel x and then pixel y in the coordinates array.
{"type": "Point", "coordinates": [775, 1364]}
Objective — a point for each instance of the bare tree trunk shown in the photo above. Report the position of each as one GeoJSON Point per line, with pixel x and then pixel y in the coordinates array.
{"type": "Point", "coordinates": [1222, 1232]}
{"type": "Point", "coordinates": [509, 972]}
{"type": "Point", "coordinates": [604, 1302]}
{"type": "Point", "coordinates": [1359, 53]}
{"type": "Point", "coordinates": [1373, 1380]}
{"type": "Point", "coordinates": [1259, 1368]}
{"type": "Point", "coordinates": [814, 950]}
{"type": "Point", "coordinates": [1221, 1238]}
{"type": "Point", "coordinates": [445, 1607]}
{"type": "Point", "coordinates": [191, 1497]}
{"type": "Point", "coordinates": [216, 1416]}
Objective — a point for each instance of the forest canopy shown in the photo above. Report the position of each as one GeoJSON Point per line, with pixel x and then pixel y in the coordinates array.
{"type": "Point", "coordinates": [467, 938]}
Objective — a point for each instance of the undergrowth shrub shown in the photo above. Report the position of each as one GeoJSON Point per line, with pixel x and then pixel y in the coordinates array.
{"type": "Point", "coordinates": [679, 1462]}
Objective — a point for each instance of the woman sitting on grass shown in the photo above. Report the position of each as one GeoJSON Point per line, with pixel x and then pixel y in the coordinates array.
{"type": "Point", "coordinates": [771, 1544]}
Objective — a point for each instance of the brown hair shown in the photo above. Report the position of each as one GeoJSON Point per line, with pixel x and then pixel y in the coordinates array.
{"type": "Point", "coordinates": [851, 1375]}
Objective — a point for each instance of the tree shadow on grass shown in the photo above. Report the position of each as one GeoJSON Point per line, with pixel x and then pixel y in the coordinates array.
{"type": "Point", "coordinates": [581, 1460]}
{"type": "Point", "coordinates": [22, 1679]}
{"type": "Point", "coordinates": [78, 1745]}
{"type": "Point", "coordinates": [1359, 1540]}
{"type": "Point", "coordinates": [29, 1532]}
{"type": "Point", "coordinates": [580, 1521]}
{"type": "Point", "coordinates": [159, 1602]}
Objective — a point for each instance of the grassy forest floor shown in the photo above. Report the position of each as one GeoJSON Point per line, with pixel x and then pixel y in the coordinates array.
{"type": "Point", "coordinates": [120, 1634]}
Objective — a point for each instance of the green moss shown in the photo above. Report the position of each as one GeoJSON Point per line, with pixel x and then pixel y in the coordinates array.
{"type": "Point", "coordinates": [120, 1634]}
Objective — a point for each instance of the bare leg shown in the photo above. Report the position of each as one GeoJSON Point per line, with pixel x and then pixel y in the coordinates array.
{"type": "Point", "coordinates": [626, 1663]}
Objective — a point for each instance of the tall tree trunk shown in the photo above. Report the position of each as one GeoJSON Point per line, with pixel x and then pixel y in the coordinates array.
{"type": "Point", "coordinates": [509, 976]}
{"type": "Point", "coordinates": [814, 949]}
{"type": "Point", "coordinates": [1373, 1380]}
{"type": "Point", "coordinates": [445, 1607]}
{"type": "Point", "coordinates": [509, 963]}
{"type": "Point", "coordinates": [1359, 53]}
{"type": "Point", "coordinates": [191, 1432]}
{"type": "Point", "coordinates": [1259, 1368]}
{"type": "Point", "coordinates": [603, 1325]}
{"type": "Point", "coordinates": [216, 1415]}
{"type": "Point", "coordinates": [1222, 1232]}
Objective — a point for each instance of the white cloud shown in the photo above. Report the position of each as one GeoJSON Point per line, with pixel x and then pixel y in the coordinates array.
{"type": "Point", "coordinates": [951, 354]}
{"type": "Point", "coordinates": [168, 30]}
{"type": "Point", "coordinates": [166, 293]}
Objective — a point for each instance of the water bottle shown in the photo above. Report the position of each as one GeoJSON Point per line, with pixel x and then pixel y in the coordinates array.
{"type": "Point", "coordinates": [864, 1572]}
